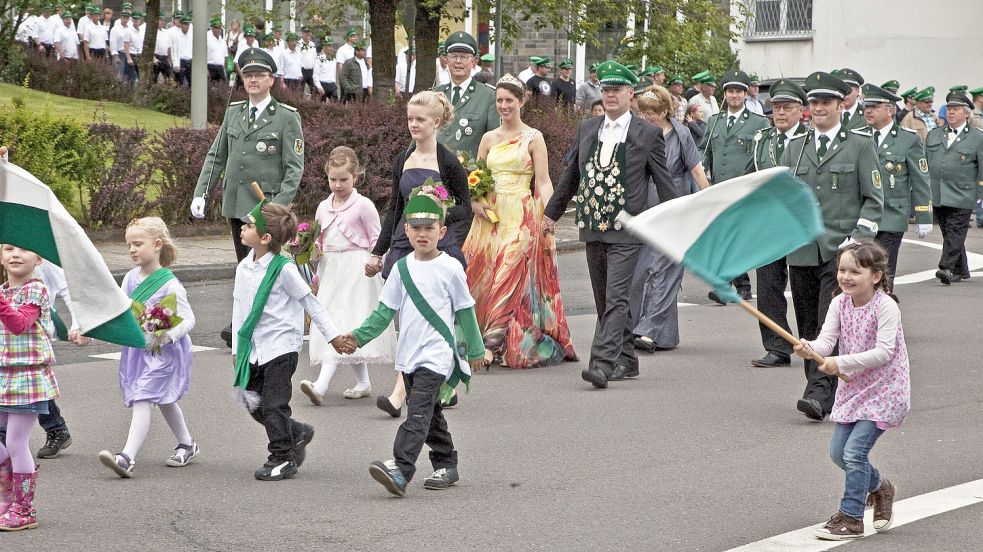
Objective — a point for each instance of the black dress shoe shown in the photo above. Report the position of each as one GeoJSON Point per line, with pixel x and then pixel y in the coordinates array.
{"type": "Point", "coordinates": [711, 296]}
{"type": "Point", "coordinates": [746, 294]}
{"type": "Point", "coordinates": [382, 402]}
{"type": "Point", "coordinates": [644, 343]}
{"type": "Point", "coordinates": [944, 276]}
{"type": "Point", "coordinates": [621, 372]}
{"type": "Point", "coordinates": [771, 360]}
{"type": "Point", "coordinates": [811, 408]}
{"type": "Point", "coordinates": [596, 377]}
{"type": "Point", "coordinates": [227, 336]}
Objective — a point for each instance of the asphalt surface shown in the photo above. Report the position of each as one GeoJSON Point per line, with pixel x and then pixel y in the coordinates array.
{"type": "Point", "coordinates": [702, 452]}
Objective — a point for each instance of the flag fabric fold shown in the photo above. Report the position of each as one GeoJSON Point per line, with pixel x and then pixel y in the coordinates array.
{"type": "Point", "coordinates": [31, 217]}
{"type": "Point", "coordinates": [730, 228]}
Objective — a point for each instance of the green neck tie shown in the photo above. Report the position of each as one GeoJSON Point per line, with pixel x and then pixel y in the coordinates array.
{"type": "Point", "coordinates": [457, 95]}
{"type": "Point", "coordinates": [877, 138]}
{"type": "Point", "coordinates": [730, 122]}
{"type": "Point", "coordinates": [252, 115]}
{"type": "Point", "coordinates": [846, 118]}
{"type": "Point", "coordinates": [823, 142]}
{"type": "Point", "coordinates": [781, 145]}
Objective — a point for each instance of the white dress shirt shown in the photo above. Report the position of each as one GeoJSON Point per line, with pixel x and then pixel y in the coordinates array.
{"type": "Point", "coordinates": [117, 36]}
{"type": "Point", "coordinates": [134, 38]}
{"type": "Point", "coordinates": [95, 35]}
{"type": "Point", "coordinates": [526, 74]}
{"type": "Point", "coordinates": [402, 74]}
{"type": "Point", "coordinates": [291, 63]}
{"type": "Point", "coordinates": [955, 132]}
{"type": "Point", "coordinates": [280, 329]}
{"type": "Point", "coordinates": [308, 54]}
{"type": "Point", "coordinates": [621, 129]}
{"type": "Point", "coordinates": [182, 44]}
{"type": "Point", "coordinates": [83, 24]}
{"type": "Point", "coordinates": [163, 43]}
{"type": "Point", "coordinates": [345, 52]}
{"type": "Point", "coordinates": [243, 46]}
{"type": "Point", "coordinates": [68, 41]}
{"type": "Point", "coordinates": [216, 49]}
{"type": "Point", "coordinates": [831, 133]}
{"type": "Point", "coordinates": [883, 133]}
{"type": "Point", "coordinates": [325, 70]}
{"type": "Point", "coordinates": [46, 31]}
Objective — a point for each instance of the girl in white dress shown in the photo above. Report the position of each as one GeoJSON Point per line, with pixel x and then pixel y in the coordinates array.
{"type": "Point", "coordinates": [349, 229]}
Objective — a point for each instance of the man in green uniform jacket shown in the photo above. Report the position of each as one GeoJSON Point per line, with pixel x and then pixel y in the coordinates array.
{"type": "Point", "coordinates": [260, 141]}
{"type": "Point", "coordinates": [955, 164]}
{"type": "Point", "coordinates": [853, 108]}
{"type": "Point", "coordinates": [728, 147]}
{"type": "Point", "coordinates": [474, 102]}
{"type": "Point", "coordinates": [841, 167]}
{"type": "Point", "coordinates": [904, 174]}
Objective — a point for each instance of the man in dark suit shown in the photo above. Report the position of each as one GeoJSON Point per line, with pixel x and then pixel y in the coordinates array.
{"type": "Point", "coordinates": [610, 168]}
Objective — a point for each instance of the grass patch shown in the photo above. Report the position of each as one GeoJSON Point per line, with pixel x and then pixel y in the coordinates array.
{"type": "Point", "coordinates": [84, 111]}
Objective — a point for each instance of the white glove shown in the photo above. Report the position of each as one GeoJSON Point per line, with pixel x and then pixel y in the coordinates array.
{"type": "Point", "coordinates": [198, 207]}
{"type": "Point", "coordinates": [846, 242]}
{"type": "Point", "coordinates": [923, 230]}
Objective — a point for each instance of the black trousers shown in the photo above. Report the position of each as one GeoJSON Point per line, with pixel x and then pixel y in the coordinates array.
{"type": "Point", "coordinates": [772, 279]}
{"type": "Point", "coordinates": [216, 72]}
{"type": "Point", "coordinates": [891, 241]}
{"type": "Point", "coordinates": [425, 424]}
{"type": "Point", "coordinates": [742, 282]}
{"type": "Point", "coordinates": [812, 292]}
{"type": "Point", "coordinates": [162, 67]}
{"type": "Point", "coordinates": [50, 422]}
{"type": "Point", "coordinates": [241, 249]}
{"type": "Point", "coordinates": [611, 267]}
{"type": "Point", "coordinates": [184, 77]}
{"type": "Point", "coordinates": [954, 223]}
{"type": "Point", "coordinates": [330, 91]}
{"type": "Point", "coordinates": [272, 382]}
{"type": "Point", "coordinates": [308, 76]}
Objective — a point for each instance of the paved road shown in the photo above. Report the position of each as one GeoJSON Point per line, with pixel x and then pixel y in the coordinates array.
{"type": "Point", "coordinates": [702, 452]}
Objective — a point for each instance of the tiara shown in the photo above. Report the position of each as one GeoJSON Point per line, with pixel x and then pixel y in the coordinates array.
{"type": "Point", "coordinates": [508, 78]}
{"type": "Point", "coordinates": [650, 95]}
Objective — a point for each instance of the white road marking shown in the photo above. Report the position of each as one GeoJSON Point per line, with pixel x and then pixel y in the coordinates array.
{"type": "Point", "coordinates": [117, 355]}
{"type": "Point", "coordinates": [905, 511]}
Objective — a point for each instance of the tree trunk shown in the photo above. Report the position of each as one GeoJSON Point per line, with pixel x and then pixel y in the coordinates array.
{"type": "Point", "coordinates": [426, 38]}
{"type": "Point", "coordinates": [382, 19]}
{"type": "Point", "coordinates": [146, 62]}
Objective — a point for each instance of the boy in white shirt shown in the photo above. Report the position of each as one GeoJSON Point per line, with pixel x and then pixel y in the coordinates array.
{"type": "Point", "coordinates": [269, 300]}
{"type": "Point", "coordinates": [430, 291]}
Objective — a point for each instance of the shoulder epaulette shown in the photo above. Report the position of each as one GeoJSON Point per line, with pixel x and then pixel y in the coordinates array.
{"type": "Point", "coordinates": [442, 88]}
{"type": "Point", "coordinates": [911, 130]}
{"type": "Point", "coordinates": [976, 129]}
{"type": "Point", "coordinates": [861, 132]}
{"type": "Point", "coordinates": [288, 107]}
{"type": "Point", "coordinates": [797, 136]}
{"type": "Point", "coordinates": [488, 85]}
{"type": "Point", "coordinates": [753, 114]}
{"type": "Point", "coordinates": [240, 102]}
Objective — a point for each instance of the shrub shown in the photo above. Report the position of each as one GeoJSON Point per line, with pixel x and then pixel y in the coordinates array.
{"type": "Point", "coordinates": [57, 152]}
{"type": "Point", "coordinates": [121, 192]}
{"type": "Point", "coordinates": [559, 126]}
{"type": "Point", "coordinates": [176, 157]}
{"type": "Point", "coordinates": [85, 80]}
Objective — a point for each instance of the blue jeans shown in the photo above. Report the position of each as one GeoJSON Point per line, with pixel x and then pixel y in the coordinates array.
{"type": "Point", "coordinates": [849, 448]}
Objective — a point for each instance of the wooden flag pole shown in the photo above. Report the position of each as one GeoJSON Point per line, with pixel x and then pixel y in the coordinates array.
{"type": "Point", "coordinates": [259, 193]}
{"type": "Point", "coordinates": [781, 331]}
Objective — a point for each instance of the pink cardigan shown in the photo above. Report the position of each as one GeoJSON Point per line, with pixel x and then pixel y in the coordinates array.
{"type": "Point", "coordinates": [357, 219]}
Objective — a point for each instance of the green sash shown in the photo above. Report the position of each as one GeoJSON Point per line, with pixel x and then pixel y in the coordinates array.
{"type": "Point", "coordinates": [244, 338]}
{"type": "Point", "coordinates": [154, 282]}
{"type": "Point", "coordinates": [462, 371]}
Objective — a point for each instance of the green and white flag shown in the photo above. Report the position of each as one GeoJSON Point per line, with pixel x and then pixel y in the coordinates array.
{"type": "Point", "coordinates": [728, 229]}
{"type": "Point", "coordinates": [31, 217]}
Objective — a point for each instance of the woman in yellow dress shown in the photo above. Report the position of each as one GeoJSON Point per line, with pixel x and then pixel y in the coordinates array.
{"type": "Point", "coordinates": [511, 265]}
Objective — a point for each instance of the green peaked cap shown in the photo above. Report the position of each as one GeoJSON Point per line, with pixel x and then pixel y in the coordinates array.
{"type": "Point", "coordinates": [909, 92]}
{"type": "Point", "coordinates": [616, 74]}
{"type": "Point", "coordinates": [256, 217]}
{"type": "Point", "coordinates": [423, 209]}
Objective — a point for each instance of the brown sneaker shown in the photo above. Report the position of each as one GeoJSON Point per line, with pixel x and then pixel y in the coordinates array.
{"type": "Point", "coordinates": [841, 527]}
{"type": "Point", "coordinates": [883, 502]}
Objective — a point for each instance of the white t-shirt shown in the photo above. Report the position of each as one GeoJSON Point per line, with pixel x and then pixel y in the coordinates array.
{"type": "Point", "coordinates": [95, 35]}
{"type": "Point", "coordinates": [526, 74]}
{"type": "Point", "coordinates": [217, 49]}
{"type": "Point", "coordinates": [163, 42]}
{"type": "Point", "coordinates": [83, 24]}
{"type": "Point", "coordinates": [68, 40]}
{"type": "Point", "coordinates": [325, 70]}
{"type": "Point", "coordinates": [443, 284]}
{"type": "Point", "coordinates": [290, 64]}
{"type": "Point", "coordinates": [345, 52]}
{"type": "Point", "coordinates": [134, 36]}
{"type": "Point", "coordinates": [118, 35]}
{"type": "Point", "coordinates": [45, 31]}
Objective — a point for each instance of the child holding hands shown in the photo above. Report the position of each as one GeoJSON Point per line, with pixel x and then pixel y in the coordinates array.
{"type": "Point", "coordinates": [269, 300]}
{"type": "Point", "coordinates": [349, 229]}
{"type": "Point", "coordinates": [866, 322]}
{"type": "Point", "coordinates": [430, 291]}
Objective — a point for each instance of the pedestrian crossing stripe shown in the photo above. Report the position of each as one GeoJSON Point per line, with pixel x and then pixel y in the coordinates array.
{"type": "Point", "coordinates": [117, 355]}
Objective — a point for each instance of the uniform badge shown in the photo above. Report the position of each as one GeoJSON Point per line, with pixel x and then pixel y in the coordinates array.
{"type": "Point", "coordinates": [457, 135]}
{"type": "Point", "coordinates": [889, 165]}
{"type": "Point", "coordinates": [923, 165]}
{"type": "Point", "coordinates": [463, 122]}
{"type": "Point", "coordinates": [544, 88]}
{"type": "Point", "coordinates": [875, 175]}
{"type": "Point", "coordinates": [468, 131]}
{"type": "Point", "coordinates": [261, 147]}
{"type": "Point", "coordinates": [271, 150]}
{"type": "Point", "coordinates": [299, 146]}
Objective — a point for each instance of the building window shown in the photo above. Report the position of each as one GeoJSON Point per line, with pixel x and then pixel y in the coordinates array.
{"type": "Point", "coordinates": [779, 20]}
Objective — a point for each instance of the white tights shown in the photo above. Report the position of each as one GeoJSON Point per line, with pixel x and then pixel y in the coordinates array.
{"type": "Point", "coordinates": [328, 368]}
{"type": "Point", "coordinates": [140, 425]}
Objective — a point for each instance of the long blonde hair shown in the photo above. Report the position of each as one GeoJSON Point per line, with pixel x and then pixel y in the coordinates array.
{"type": "Point", "coordinates": [157, 230]}
{"type": "Point", "coordinates": [437, 104]}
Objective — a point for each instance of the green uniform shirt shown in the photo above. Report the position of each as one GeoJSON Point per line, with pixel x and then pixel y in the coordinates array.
{"type": "Point", "coordinates": [269, 152]}
{"type": "Point", "coordinates": [904, 178]}
{"type": "Point", "coordinates": [729, 153]}
{"type": "Point", "coordinates": [474, 115]}
{"type": "Point", "coordinates": [766, 152]}
{"type": "Point", "coordinates": [847, 184]}
{"type": "Point", "coordinates": [956, 170]}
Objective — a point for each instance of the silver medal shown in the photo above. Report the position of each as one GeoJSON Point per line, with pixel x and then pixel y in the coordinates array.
{"type": "Point", "coordinates": [271, 150]}
{"type": "Point", "coordinates": [261, 146]}
{"type": "Point", "coordinates": [457, 135]}
{"type": "Point", "coordinates": [463, 122]}
{"type": "Point", "coordinates": [468, 131]}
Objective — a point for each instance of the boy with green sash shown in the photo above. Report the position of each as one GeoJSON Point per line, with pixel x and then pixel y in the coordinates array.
{"type": "Point", "coordinates": [430, 292]}
{"type": "Point", "coordinates": [269, 300]}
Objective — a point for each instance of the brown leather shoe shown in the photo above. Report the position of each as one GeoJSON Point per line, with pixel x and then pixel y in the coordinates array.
{"type": "Point", "coordinates": [841, 527]}
{"type": "Point", "coordinates": [883, 502]}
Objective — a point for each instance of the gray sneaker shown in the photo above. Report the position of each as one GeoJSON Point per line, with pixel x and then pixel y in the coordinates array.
{"type": "Point", "coordinates": [441, 479]}
{"type": "Point", "coordinates": [183, 455]}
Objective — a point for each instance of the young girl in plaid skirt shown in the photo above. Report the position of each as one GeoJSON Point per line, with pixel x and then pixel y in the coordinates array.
{"type": "Point", "coordinates": [26, 381]}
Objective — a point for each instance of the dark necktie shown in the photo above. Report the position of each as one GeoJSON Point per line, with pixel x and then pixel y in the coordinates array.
{"type": "Point", "coordinates": [823, 142]}
{"type": "Point", "coordinates": [730, 122]}
{"type": "Point", "coordinates": [781, 145]}
{"type": "Point", "coordinates": [457, 95]}
{"type": "Point", "coordinates": [252, 115]}
{"type": "Point", "coordinates": [877, 138]}
{"type": "Point", "coordinates": [846, 118]}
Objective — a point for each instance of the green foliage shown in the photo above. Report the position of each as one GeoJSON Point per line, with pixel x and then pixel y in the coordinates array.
{"type": "Point", "coordinates": [55, 150]}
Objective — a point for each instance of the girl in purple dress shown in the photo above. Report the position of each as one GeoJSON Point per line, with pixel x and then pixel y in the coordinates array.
{"type": "Point", "coordinates": [158, 375]}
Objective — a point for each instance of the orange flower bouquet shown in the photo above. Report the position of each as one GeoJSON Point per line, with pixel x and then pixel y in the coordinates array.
{"type": "Point", "coordinates": [480, 181]}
